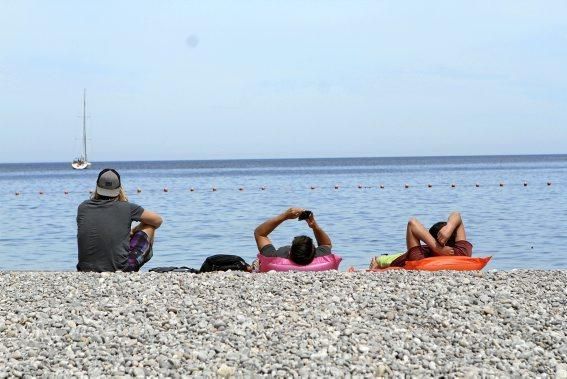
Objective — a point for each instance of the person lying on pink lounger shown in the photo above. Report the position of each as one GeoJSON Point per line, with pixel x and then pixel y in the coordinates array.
{"type": "Point", "coordinates": [302, 250]}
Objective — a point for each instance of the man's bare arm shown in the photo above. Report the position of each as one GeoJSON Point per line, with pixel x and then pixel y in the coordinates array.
{"type": "Point", "coordinates": [263, 230]}
{"type": "Point", "coordinates": [416, 232]}
{"type": "Point", "coordinates": [321, 236]}
{"type": "Point", "coordinates": [454, 223]}
{"type": "Point", "coordinates": [151, 218]}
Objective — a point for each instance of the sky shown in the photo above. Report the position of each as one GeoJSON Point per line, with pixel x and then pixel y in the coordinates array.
{"type": "Point", "coordinates": [170, 80]}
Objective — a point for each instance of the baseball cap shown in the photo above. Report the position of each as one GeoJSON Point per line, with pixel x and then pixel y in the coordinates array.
{"type": "Point", "coordinates": [108, 183]}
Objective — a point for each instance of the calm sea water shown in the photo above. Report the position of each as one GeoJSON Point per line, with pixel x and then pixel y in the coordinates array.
{"type": "Point", "coordinates": [520, 226]}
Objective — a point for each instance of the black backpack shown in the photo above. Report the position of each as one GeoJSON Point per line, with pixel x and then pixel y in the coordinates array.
{"type": "Point", "coordinates": [174, 269]}
{"type": "Point", "coordinates": [224, 262]}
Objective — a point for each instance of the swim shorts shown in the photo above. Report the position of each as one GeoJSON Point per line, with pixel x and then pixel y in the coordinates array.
{"type": "Point", "coordinates": [461, 248]}
{"type": "Point", "coordinates": [140, 251]}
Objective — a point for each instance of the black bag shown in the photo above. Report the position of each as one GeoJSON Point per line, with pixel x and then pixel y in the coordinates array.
{"type": "Point", "coordinates": [174, 269]}
{"type": "Point", "coordinates": [224, 262]}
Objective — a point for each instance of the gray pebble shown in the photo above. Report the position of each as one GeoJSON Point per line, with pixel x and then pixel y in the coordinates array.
{"type": "Point", "coordinates": [391, 324]}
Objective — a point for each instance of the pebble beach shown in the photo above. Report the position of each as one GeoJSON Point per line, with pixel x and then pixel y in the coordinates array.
{"type": "Point", "coordinates": [387, 324]}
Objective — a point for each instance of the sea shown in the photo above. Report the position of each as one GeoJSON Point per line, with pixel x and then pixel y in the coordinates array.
{"type": "Point", "coordinates": [514, 207]}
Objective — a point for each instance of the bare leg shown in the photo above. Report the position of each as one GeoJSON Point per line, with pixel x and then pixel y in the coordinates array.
{"type": "Point", "coordinates": [411, 239]}
{"type": "Point", "coordinates": [415, 229]}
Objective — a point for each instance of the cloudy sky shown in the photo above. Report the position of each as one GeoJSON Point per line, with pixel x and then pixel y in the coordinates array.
{"type": "Point", "coordinates": [269, 79]}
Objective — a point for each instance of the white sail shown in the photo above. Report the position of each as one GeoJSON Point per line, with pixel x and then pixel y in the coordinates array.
{"type": "Point", "coordinates": [82, 162]}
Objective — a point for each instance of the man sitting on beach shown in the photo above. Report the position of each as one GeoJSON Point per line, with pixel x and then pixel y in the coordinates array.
{"type": "Point", "coordinates": [302, 250]}
{"type": "Point", "coordinates": [104, 238]}
{"type": "Point", "coordinates": [442, 239]}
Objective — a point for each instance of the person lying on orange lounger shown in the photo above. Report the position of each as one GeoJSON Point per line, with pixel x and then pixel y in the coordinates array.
{"type": "Point", "coordinates": [443, 239]}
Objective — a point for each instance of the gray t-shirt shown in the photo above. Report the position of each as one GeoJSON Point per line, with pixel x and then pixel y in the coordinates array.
{"type": "Point", "coordinates": [283, 252]}
{"type": "Point", "coordinates": [103, 234]}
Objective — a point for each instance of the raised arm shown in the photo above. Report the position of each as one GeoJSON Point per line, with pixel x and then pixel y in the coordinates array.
{"type": "Point", "coordinates": [416, 232]}
{"type": "Point", "coordinates": [322, 238]}
{"type": "Point", "coordinates": [454, 223]}
{"type": "Point", "coordinates": [263, 230]}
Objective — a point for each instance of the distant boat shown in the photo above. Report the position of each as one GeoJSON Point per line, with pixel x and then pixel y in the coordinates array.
{"type": "Point", "coordinates": [82, 161]}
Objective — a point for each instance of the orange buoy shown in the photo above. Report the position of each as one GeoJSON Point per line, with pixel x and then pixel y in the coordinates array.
{"type": "Point", "coordinates": [165, 189]}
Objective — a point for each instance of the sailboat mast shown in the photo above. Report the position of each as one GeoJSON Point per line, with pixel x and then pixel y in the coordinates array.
{"type": "Point", "coordinates": [85, 124]}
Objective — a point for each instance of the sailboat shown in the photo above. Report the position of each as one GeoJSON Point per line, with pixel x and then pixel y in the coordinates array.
{"type": "Point", "coordinates": [82, 162]}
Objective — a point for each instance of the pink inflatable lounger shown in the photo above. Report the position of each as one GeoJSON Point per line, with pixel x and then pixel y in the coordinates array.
{"type": "Point", "coordinates": [324, 263]}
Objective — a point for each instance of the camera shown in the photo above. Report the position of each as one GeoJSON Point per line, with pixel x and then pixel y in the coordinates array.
{"type": "Point", "coordinates": [304, 215]}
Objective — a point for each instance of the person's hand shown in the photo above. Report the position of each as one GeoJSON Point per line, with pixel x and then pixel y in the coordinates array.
{"type": "Point", "coordinates": [134, 230]}
{"type": "Point", "coordinates": [292, 213]}
{"type": "Point", "coordinates": [444, 235]}
{"type": "Point", "coordinates": [311, 221]}
{"type": "Point", "coordinates": [446, 250]}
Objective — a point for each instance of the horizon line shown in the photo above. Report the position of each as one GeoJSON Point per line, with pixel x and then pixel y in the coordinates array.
{"type": "Point", "coordinates": [301, 158]}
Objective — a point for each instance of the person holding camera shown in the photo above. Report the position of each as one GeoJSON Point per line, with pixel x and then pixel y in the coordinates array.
{"type": "Point", "coordinates": [302, 250]}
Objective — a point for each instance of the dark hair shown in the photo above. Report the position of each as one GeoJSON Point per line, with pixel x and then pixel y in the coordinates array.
{"type": "Point", "coordinates": [434, 231]}
{"type": "Point", "coordinates": [302, 250]}
{"type": "Point", "coordinates": [100, 197]}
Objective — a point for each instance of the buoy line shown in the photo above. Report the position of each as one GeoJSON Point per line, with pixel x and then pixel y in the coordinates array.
{"type": "Point", "coordinates": [139, 190]}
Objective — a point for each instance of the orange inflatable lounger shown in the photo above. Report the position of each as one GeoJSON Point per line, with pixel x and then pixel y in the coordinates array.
{"type": "Point", "coordinates": [458, 263]}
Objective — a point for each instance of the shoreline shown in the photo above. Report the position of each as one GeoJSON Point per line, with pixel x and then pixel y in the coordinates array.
{"type": "Point", "coordinates": [395, 323]}
{"type": "Point", "coordinates": [343, 270]}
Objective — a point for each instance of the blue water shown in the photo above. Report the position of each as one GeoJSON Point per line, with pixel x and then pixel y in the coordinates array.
{"type": "Point", "coordinates": [520, 226]}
